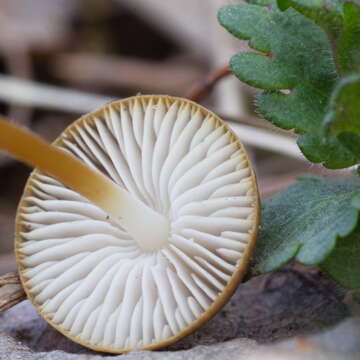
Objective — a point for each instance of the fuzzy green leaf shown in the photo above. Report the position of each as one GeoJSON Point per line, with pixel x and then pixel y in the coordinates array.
{"type": "Point", "coordinates": [329, 150]}
{"type": "Point", "coordinates": [260, 71]}
{"type": "Point", "coordinates": [306, 49]}
{"type": "Point", "coordinates": [341, 21]}
{"type": "Point", "coordinates": [356, 296]}
{"type": "Point", "coordinates": [343, 264]}
{"type": "Point", "coordinates": [248, 22]}
{"type": "Point", "coordinates": [304, 222]}
{"type": "Point", "coordinates": [352, 142]}
{"type": "Point", "coordinates": [326, 13]}
{"type": "Point", "coordinates": [344, 115]}
{"type": "Point", "coordinates": [262, 2]}
{"type": "Point", "coordinates": [285, 110]}
{"type": "Point", "coordinates": [348, 46]}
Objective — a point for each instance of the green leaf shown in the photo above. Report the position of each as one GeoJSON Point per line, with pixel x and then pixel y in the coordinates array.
{"type": "Point", "coordinates": [330, 150]}
{"type": "Point", "coordinates": [305, 50]}
{"type": "Point", "coordinates": [348, 47]}
{"type": "Point", "coordinates": [341, 21]}
{"type": "Point", "coordinates": [263, 2]}
{"type": "Point", "coordinates": [290, 39]}
{"type": "Point", "coordinates": [343, 118]}
{"type": "Point", "coordinates": [248, 22]}
{"type": "Point", "coordinates": [304, 222]}
{"type": "Point", "coordinates": [326, 13]}
{"type": "Point", "coordinates": [355, 202]}
{"type": "Point", "coordinates": [351, 141]}
{"type": "Point", "coordinates": [260, 71]}
{"type": "Point", "coordinates": [343, 264]}
{"type": "Point", "coordinates": [300, 110]}
{"type": "Point", "coordinates": [344, 112]}
{"type": "Point", "coordinates": [356, 296]}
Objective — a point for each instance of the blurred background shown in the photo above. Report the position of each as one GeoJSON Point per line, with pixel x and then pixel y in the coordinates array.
{"type": "Point", "coordinates": [60, 59]}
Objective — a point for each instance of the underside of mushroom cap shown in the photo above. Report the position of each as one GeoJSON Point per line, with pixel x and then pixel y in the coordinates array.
{"type": "Point", "coordinates": [89, 278]}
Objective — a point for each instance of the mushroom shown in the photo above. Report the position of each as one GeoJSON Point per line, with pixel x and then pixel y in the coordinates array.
{"type": "Point", "coordinates": [157, 248]}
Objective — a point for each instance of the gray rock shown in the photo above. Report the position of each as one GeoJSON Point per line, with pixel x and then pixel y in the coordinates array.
{"type": "Point", "coordinates": [10, 349]}
{"type": "Point", "coordinates": [344, 337]}
{"type": "Point", "coordinates": [266, 308]}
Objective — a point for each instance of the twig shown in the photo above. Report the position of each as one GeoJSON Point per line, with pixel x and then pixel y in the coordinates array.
{"type": "Point", "coordinates": [33, 94]}
{"type": "Point", "coordinates": [255, 122]}
{"type": "Point", "coordinates": [62, 99]}
{"type": "Point", "coordinates": [11, 291]}
{"type": "Point", "coordinates": [267, 140]}
{"type": "Point", "coordinates": [204, 87]}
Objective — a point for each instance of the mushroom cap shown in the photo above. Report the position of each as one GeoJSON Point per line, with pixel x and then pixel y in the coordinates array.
{"type": "Point", "coordinates": [84, 272]}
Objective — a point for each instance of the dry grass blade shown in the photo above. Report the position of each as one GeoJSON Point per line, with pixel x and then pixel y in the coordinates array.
{"type": "Point", "coordinates": [68, 100]}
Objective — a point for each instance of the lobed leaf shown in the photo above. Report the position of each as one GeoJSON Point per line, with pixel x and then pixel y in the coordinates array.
{"type": "Point", "coordinates": [247, 22]}
{"type": "Point", "coordinates": [343, 264]}
{"type": "Point", "coordinates": [333, 153]}
{"type": "Point", "coordinates": [305, 221]}
{"type": "Point", "coordinates": [260, 71]}
{"type": "Point", "coordinates": [305, 50]}
{"type": "Point", "coordinates": [344, 113]}
{"type": "Point", "coordinates": [326, 13]}
{"type": "Point", "coordinates": [348, 46]}
{"type": "Point", "coordinates": [352, 142]}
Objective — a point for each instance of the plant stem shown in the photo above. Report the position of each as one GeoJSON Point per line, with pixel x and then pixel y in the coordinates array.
{"type": "Point", "coordinates": [11, 291]}
{"type": "Point", "coordinates": [205, 86]}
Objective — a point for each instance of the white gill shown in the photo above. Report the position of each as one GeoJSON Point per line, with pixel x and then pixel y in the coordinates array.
{"type": "Point", "coordinates": [86, 273]}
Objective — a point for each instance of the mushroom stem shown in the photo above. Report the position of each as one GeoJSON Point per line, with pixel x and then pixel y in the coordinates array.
{"type": "Point", "coordinates": [149, 228]}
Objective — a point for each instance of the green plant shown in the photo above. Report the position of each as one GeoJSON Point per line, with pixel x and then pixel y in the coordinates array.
{"type": "Point", "coordinates": [306, 59]}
